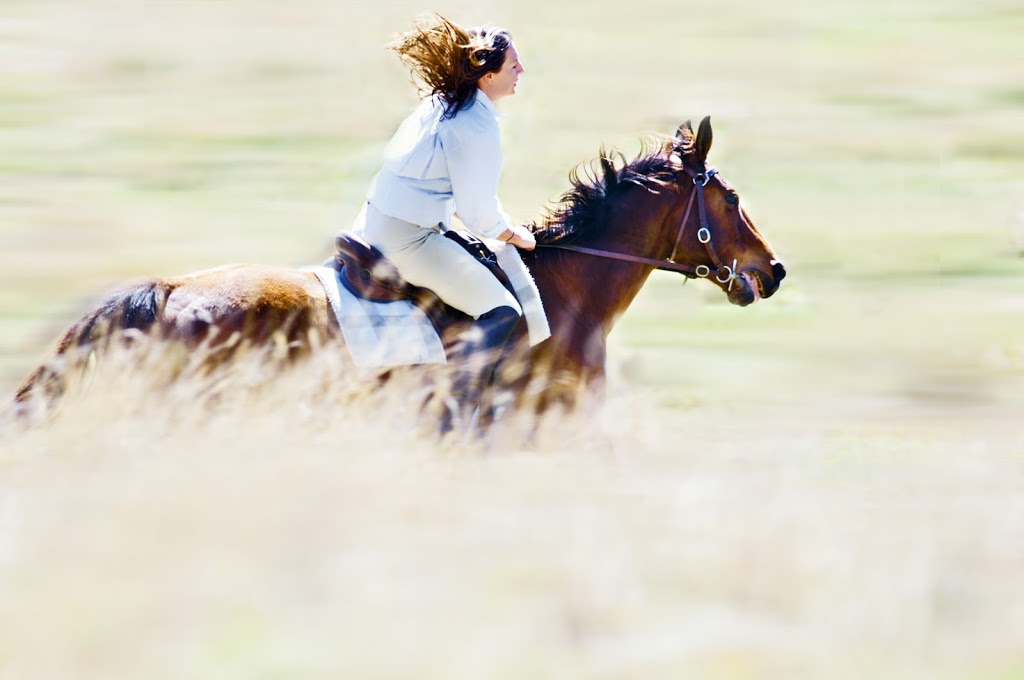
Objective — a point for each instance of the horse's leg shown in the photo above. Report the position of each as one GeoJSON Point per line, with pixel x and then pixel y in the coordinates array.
{"type": "Point", "coordinates": [566, 378]}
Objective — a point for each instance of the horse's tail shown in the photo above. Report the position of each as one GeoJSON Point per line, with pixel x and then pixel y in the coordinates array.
{"type": "Point", "coordinates": [136, 308]}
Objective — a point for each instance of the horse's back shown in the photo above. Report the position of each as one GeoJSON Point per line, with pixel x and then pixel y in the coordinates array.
{"type": "Point", "coordinates": [250, 285]}
{"type": "Point", "coordinates": [254, 300]}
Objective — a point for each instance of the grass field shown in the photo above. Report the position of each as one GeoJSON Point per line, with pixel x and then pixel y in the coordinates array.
{"type": "Point", "coordinates": [828, 484]}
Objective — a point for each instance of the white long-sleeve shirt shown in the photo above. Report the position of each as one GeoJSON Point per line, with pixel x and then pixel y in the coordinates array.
{"type": "Point", "coordinates": [433, 167]}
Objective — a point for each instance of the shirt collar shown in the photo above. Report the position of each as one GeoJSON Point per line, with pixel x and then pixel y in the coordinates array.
{"type": "Point", "coordinates": [485, 101]}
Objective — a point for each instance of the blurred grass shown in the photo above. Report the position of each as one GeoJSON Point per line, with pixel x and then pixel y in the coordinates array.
{"type": "Point", "coordinates": [866, 146]}
{"type": "Point", "coordinates": [858, 428]}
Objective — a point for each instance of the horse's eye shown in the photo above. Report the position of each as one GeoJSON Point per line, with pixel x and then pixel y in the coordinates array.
{"type": "Point", "coordinates": [732, 198]}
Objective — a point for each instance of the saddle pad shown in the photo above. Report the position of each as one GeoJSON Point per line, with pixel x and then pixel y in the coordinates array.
{"type": "Point", "coordinates": [380, 333]}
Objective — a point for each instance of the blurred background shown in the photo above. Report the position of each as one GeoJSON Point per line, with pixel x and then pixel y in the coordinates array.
{"type": "Point", "coordinates": [829, 483]}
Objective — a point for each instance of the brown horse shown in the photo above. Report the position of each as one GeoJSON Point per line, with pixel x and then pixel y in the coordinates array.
{"type": "Point", "coordinates": [597, 246]}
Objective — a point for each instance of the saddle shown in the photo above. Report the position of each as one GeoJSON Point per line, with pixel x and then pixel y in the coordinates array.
{"type": "Point", "coordinates": [366, 273]}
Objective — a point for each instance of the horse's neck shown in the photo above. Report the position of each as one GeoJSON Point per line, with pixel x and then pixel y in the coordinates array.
{"type": "Point", "coordinates": [585, 291]}
{"type": "Point", "coordinates": [588, 292]}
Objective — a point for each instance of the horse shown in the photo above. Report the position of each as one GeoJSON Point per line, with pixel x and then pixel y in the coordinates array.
{"type": "Point", "coordinates": [597, 245]}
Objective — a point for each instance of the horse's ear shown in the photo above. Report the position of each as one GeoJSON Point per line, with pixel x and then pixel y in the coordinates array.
{"type": "Point", "coordinates": [685, 130]}
{"type": "Point", "coordinates": [703, 140]}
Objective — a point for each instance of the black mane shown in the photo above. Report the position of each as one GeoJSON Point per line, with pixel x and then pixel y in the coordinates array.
{"type": "Point", "coordinates": [581, 210]}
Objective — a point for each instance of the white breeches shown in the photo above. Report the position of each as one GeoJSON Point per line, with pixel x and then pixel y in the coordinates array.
{"type": "Point", "coordinates": [424, 257]}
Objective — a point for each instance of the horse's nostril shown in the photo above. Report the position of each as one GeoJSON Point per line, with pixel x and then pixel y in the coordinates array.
{"type": "Point", "coordinates": [778, 271]}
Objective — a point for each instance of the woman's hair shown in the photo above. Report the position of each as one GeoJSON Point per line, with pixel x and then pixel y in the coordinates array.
{"type": "Point", "coordinates": [450, 60]}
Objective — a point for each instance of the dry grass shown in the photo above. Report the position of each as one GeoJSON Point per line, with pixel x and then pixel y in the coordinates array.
{"type": "Point", "coordinates": [828, 484]}
{"type": "Point", "coordinates": [297, 531]}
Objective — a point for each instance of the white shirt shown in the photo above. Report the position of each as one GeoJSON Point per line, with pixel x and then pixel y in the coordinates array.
{"type": "Point", "coordinates": [433, 167]}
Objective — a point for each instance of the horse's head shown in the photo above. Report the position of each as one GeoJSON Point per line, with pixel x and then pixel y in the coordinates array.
{"type": "Point", "coordinates": [710, 230]}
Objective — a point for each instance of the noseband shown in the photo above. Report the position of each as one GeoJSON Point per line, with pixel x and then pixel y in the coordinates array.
{"type": "Point", "coordinates": [723, 273]}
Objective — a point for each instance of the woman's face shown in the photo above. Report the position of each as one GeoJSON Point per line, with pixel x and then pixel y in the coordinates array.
{"type": "Point", "coordinates": [502, 83]}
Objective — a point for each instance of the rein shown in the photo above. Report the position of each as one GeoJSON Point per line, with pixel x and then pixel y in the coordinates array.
{"type": "Point", "coordinates": [700, 180]}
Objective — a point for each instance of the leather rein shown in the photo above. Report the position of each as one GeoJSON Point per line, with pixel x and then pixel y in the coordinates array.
{"type": "Point", "coordinates": [723, 272]}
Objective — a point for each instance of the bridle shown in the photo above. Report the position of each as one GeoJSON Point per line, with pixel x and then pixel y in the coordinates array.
{"type": "Point", "coordinates": [723, 273]}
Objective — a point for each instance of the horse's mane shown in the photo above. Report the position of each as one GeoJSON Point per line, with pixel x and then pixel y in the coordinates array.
{"type": "Point", "coordinates": [596, 183]}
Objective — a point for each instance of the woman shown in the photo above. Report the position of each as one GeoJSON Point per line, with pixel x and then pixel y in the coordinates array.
{"type": "Point", "coordinates": [444, 161]}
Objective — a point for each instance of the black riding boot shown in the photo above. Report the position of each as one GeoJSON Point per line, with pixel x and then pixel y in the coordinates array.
{"type": "Point", "coordinates": [474, 361]}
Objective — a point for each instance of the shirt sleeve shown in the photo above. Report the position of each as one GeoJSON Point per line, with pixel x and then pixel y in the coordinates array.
{"type": "Point", "coordinates": [474, 166]}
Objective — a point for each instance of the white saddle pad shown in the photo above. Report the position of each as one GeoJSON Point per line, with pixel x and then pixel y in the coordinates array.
{"type": "Point", "coordinates": [381, 333]}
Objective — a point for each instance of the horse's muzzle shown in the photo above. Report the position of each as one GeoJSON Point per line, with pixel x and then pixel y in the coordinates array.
{"type": "Point", "coordinates": [778, 273]}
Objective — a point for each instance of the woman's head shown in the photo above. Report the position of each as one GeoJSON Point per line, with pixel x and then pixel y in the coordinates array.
{"type": "Point", "coordinates": [453, 62]}
{"type": "Point", "coordinates": [502, 81]}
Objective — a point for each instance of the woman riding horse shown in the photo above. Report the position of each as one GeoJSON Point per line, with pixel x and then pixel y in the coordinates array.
{"type": "Point", "coordinates": [445, 159]}
{"type": "Point", "coordinates": [665, 209]}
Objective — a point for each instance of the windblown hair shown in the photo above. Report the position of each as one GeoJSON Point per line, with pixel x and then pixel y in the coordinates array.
{"type": "Point", "coordinates": [449, 60]}
{"type": "Point", "coordinates": [581, 211]}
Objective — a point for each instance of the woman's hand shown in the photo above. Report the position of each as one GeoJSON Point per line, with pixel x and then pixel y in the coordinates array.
{"type": "Point", "coordinates": [521, 237]}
